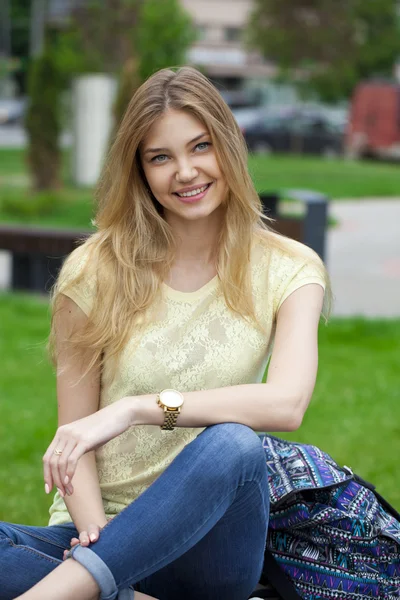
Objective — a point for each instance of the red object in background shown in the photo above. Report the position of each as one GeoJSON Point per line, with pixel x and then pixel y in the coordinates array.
{"type": "Point", "coordinates": [374, 121]}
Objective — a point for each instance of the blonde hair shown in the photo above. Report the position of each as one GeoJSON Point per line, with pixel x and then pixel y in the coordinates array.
{"type": "Point", "coordinates": [133, 248]}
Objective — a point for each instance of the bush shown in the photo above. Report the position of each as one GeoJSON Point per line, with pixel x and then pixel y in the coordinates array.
{"type": "Point", "coordinates": [29, 207]}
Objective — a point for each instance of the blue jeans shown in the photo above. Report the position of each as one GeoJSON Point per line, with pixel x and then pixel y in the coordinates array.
{"type": "Point", "coordinates": [198, 532]}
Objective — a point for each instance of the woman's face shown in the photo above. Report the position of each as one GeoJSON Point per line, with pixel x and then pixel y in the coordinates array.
{"type": "Point", "coordinates": [181, 167]}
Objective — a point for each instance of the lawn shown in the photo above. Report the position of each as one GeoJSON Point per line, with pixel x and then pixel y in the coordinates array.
{"type": "Point", "coordinates": [354, 414]}
{"type": "Point", "coordinates": [339, 179]}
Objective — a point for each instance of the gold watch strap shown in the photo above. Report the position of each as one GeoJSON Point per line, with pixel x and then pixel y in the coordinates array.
{"type": "Point", "coordinates": [170, 419]}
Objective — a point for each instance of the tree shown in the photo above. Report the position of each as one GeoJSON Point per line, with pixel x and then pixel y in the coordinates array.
{"type": "Point", "coordinates": [163, 37]}
{"type": "Point", "coordinates": [43, 120]}
{"type": "Point", "coordinates": [328, 44]}
{"type": "Point", "coordinates": [99, 36]}
{"type": "Point", "coordinates": [128, 83]}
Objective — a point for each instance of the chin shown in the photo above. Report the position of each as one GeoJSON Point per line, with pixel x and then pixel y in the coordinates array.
{"type": "Point", "coordinates": [202, 212]}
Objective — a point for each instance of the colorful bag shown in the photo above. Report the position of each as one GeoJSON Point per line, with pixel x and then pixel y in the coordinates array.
{"type": "Point", "coordinates": [331, 535]}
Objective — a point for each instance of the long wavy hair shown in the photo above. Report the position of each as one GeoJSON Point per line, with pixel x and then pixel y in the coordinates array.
{"type": "Point", "coordinates": [133, 246]}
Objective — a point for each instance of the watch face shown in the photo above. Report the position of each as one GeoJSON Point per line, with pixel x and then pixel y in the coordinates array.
{"type": "Point", "coordinates": [171, 398]}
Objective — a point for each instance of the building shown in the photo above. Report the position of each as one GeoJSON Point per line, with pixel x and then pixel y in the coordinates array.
{"type": "Point", "coordinates": [220, 48]}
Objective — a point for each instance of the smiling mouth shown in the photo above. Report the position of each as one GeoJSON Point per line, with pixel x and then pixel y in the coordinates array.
{"type": "Point", "coordinates": [195, 192]}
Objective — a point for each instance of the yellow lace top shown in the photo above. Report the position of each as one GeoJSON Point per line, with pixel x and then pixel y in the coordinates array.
{"type": "Point", "coordinates": [197, 343]}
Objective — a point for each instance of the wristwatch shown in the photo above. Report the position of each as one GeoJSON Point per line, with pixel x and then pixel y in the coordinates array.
{"type": "Point", "coordinates": [170, 401]}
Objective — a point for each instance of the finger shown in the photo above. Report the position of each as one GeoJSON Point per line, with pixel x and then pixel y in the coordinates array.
{"type": "Point", "coordinates": [94, 533]}
{"type": "Point", "coordinates": [79, 450]}
{"type": "Point", "coordinates": [62, 465]}
{"type": "Point", "coordinates": [84, 538]}
{"type": "Point", "coordinates": [48, 480]}
{"type": "Point", "coordinates": [47, 472]}
{"type": "Point", "coordinates": [74, 541]}
{"type": "Point", "coordinates": [53, 462]}
{"type": "Point", "coordinates": [58, 466]}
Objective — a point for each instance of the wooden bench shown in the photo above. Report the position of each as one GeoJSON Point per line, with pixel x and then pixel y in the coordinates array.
{"type": "Point", "coordinates": [37, 254]}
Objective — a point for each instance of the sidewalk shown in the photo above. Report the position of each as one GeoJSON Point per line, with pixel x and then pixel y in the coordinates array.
{"type": "Point", "coordinates": [363, 258]}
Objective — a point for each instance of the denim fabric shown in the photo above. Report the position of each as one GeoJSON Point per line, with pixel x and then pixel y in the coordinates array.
{"type": "Point", "coordinates": [98, 569]}
{"type": "Point", "coordinates": [198, 532]}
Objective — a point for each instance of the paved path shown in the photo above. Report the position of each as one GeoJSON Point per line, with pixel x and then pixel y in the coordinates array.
{"type": "Point", "coordinates": [363, 258]}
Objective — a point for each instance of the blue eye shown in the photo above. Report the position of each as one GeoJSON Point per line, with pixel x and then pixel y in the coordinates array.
{"type": "Point", "coordinates": [154, 159]}
{"type": "Point", "coordinates": [206, 144]}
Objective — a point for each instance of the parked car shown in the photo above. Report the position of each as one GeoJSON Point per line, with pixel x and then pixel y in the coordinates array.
{"type": "Point", "coordinates": [374, 124]}
{"type": "Point", "coordinates": [247, 117]}
{"type": "Point", "coordinates": [294, 130]}
{"type": "Point", "coordinates": [238, 99]}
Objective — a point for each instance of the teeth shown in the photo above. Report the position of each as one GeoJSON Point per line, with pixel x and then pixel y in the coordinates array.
{"type": "Point", "coordinates": [193, 192]}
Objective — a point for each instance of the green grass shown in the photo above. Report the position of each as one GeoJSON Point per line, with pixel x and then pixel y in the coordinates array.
{"type": "Point", "coordinates": [354, 414]}
{"type": "Point", "coordinates": [71, 208]}
{"type": "Point", "coordinates": [12, 161]}
{"type": "Point", "coordinates": [28, 408]}
{"type": "Point", "coordinates": [339, 179]}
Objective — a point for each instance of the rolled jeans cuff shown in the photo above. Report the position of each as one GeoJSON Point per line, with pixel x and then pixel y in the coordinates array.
{"type": "Point", "coordinates": [100, 573]}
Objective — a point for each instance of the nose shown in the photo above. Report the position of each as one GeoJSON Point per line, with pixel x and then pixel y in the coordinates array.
{"type": "Point", "coordinates": [186, 171]}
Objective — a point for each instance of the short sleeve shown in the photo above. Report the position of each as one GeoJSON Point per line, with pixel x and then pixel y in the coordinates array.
{"type": "Point", "coordinates": [76, 281]}
{"type": "Point", "coordinates": [292, 272]}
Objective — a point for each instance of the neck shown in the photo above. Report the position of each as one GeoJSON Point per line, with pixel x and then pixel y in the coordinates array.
{"type": "Point", "coordinates": [196, 240]}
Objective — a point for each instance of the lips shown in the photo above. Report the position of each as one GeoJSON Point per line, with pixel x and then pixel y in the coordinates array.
{"type": "Point", "coordinates": [196, 197]}
{"type": "Point", "coordinates": [204, 187]}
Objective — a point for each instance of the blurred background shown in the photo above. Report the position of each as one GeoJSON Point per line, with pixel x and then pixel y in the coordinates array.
{"type": "Point", "coordinates": [315, 89]}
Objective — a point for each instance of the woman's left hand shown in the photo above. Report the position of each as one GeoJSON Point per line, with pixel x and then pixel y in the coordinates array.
{"type": "Point", "coordinates": [73, 440]}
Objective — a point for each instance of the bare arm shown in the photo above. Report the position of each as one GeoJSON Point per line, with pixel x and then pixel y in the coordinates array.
{"type": "Point", "coordinates": [277, 405]}
{"type": "Point", "coordinates": [76, 402]}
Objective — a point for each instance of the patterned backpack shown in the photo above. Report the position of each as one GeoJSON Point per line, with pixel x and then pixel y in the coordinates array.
{"type": "Point", "coordinates": [331, 535]}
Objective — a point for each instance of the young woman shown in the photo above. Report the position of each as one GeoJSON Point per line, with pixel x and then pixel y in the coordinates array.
{"type": "Point", "coordinates": [163, 324]}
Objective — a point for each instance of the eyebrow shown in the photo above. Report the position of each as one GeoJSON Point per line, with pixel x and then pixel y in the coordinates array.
{"type": "Point", "coordinates": [151, 150]}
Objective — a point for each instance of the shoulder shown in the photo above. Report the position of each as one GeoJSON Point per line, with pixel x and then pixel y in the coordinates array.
{"type": "Point", "coordinates": [77, 278]}
{"type": "Point", "coordinates": [282, 253]}
{"type": "Point", "coordinates": [290, 265]}
{"type": "Point", "coordinates": [75, 263]}
{"type": "Point", "coordinates": [292, 255]}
